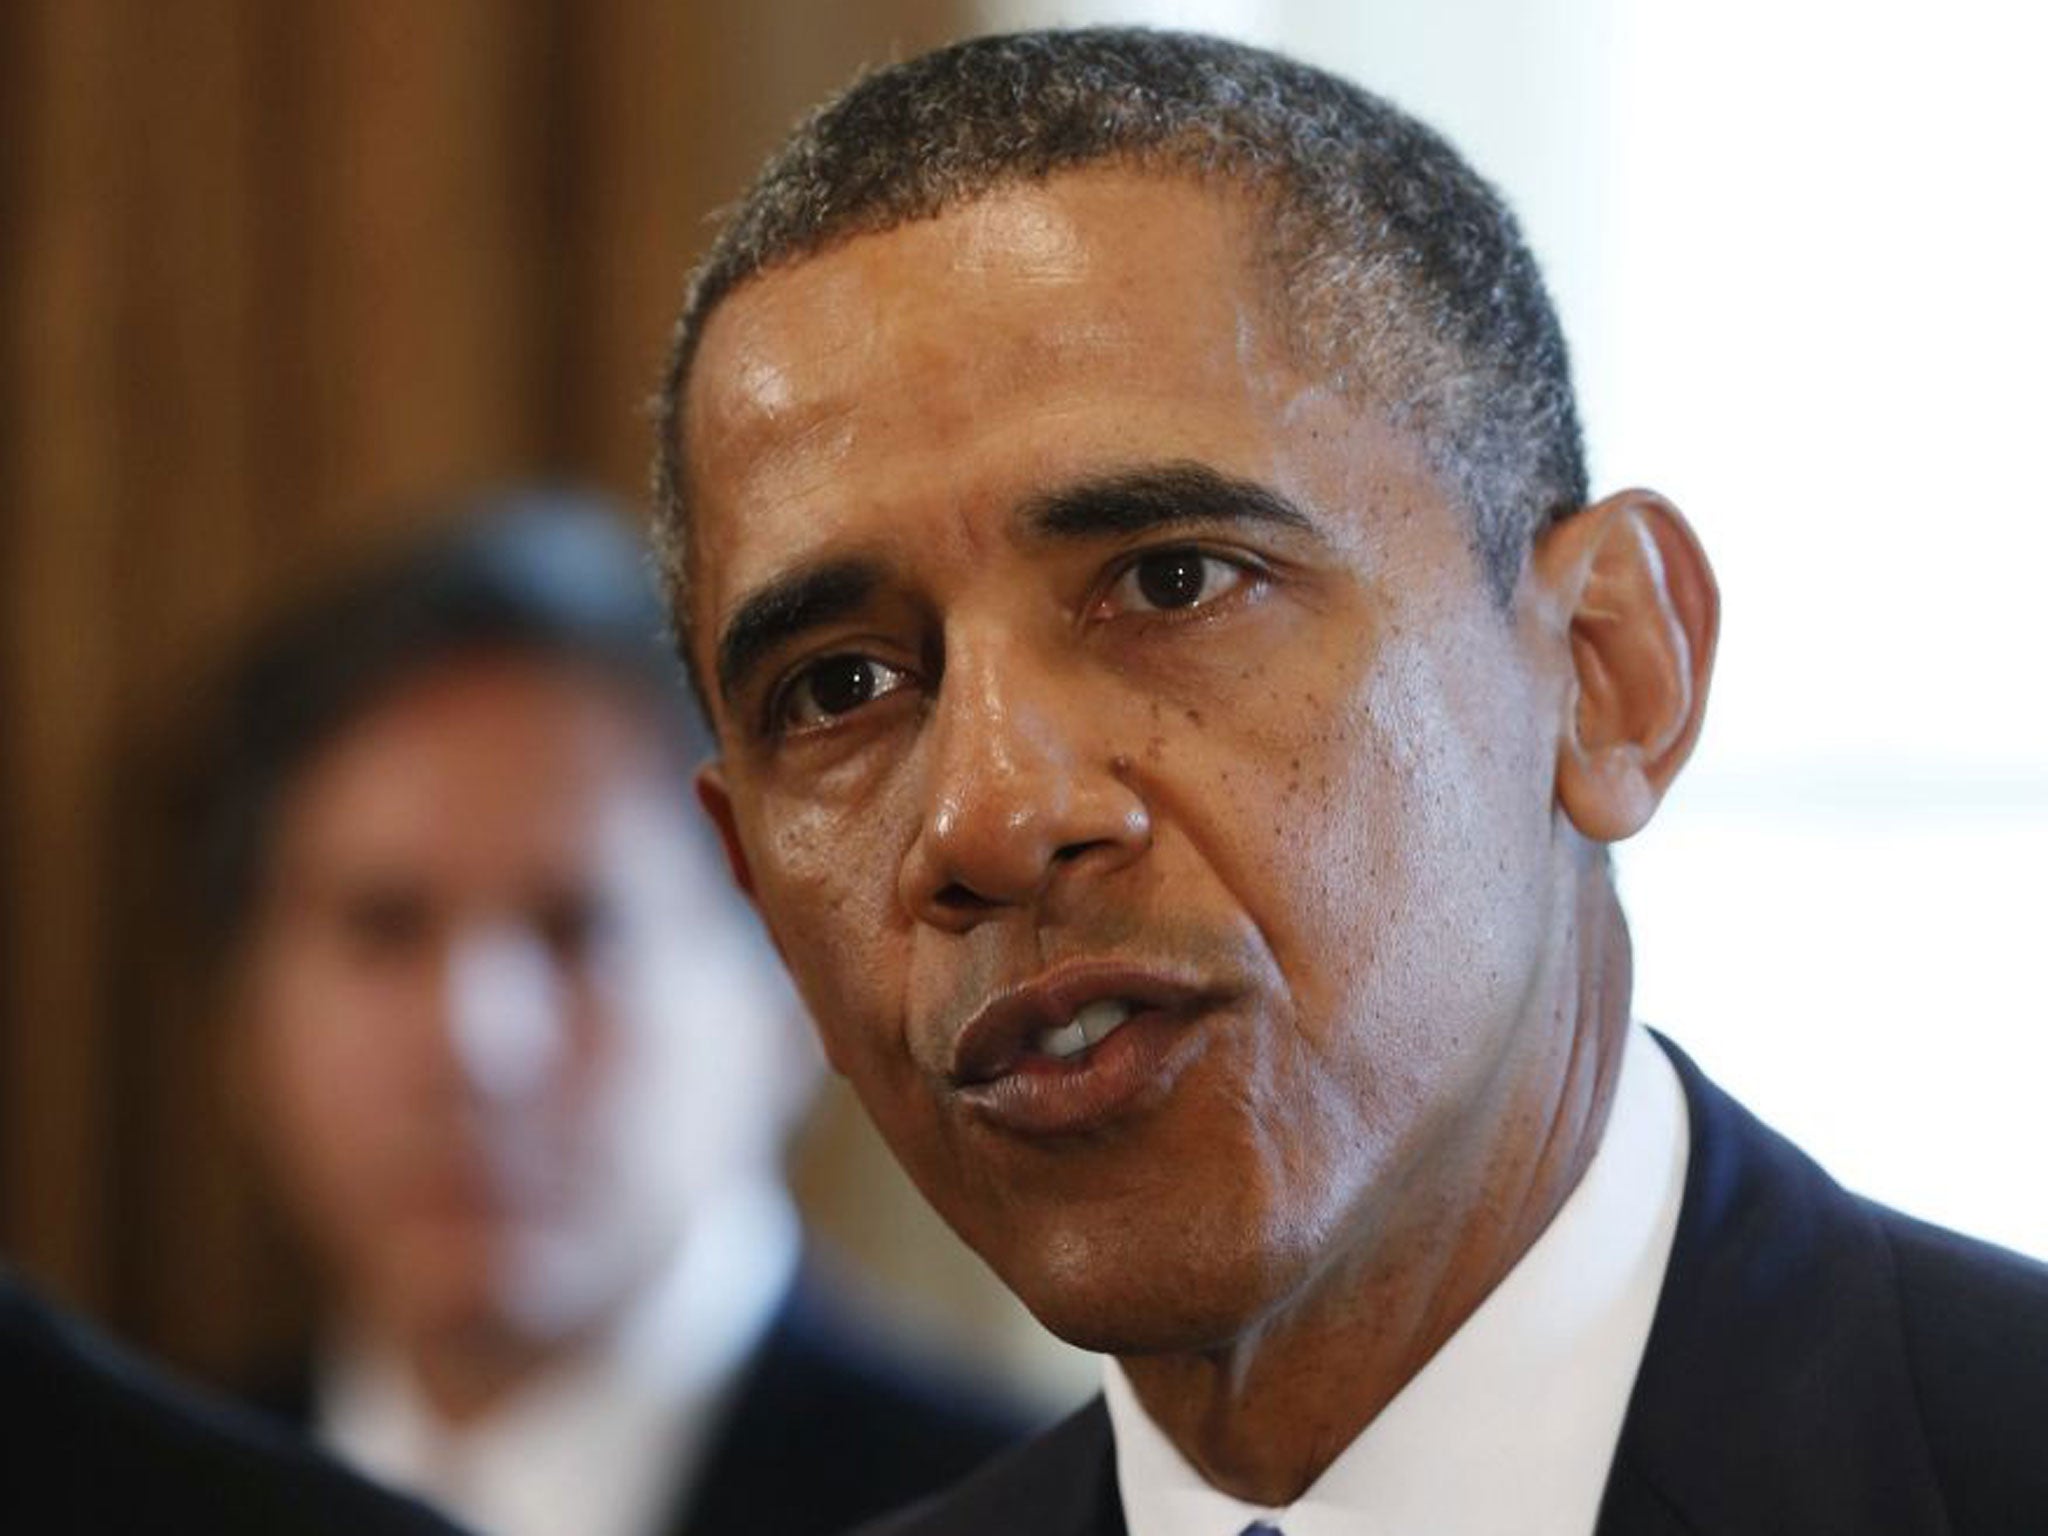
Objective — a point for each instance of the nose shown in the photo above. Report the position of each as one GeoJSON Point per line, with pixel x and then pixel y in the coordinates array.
{"type": "Point", "coordinates": [1020, 787]}
{"type": "Point", "coordinates": [507, 1013]}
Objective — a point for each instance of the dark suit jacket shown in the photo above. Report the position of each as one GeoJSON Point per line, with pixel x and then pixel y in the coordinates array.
{"type": "Point", "coordinates": [825, 1428]}
{"type": "Point", "coordinates": [1818, 1366]}
{"type": "Point", "coordinates": [92, 1441]}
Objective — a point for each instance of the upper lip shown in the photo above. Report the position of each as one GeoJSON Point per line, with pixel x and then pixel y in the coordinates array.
{"type": "Point", "coordinates": [1002, 1029]}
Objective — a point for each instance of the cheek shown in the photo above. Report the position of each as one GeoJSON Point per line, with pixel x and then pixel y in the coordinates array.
{"type": "Point", "coordinates": [319, 1113]}
{"type": "Point", "coordinates": [679, 1077]}
{"type": "Point", "coordinates": [337, 1065]}
{"type": "Point", "coordinates": [316, 1066]}
{"type": "Point", "coordinates": [1427, 885]}
{"type": "Point", "coordinates": [826, 883]}
{"type": "Point", "coordinates": [1392, 856]}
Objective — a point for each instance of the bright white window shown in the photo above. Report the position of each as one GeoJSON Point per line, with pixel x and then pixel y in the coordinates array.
{"type": "Point", "coordinates": [1828, 338]}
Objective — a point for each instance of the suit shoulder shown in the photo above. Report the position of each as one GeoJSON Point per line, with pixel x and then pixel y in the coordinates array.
{"type": "Point", "coordinates": [829, 1426]}
{"type": "Point", "coordinates": [116, 1446]}
{"type": "Point", "coordinates": [820, 1369]}
{"type": "Point", "coordinates": [1062, 1483]}
{"type": "Point", "coordinates": [1976, 1321]}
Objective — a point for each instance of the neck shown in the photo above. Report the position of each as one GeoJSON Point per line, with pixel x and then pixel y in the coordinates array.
{"type": "Point", "coordinates": [465, 1376]}
{"type": "Point", "coordinates": [464, 1373]}
{"type": "Point", "coordinates": [1263, 1416]}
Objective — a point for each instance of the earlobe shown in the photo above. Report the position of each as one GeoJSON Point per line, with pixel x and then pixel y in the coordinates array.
{"type": "Point", "coordinates": [716, 800]}
{"type": "Point", "coordinates": [1643, 614]}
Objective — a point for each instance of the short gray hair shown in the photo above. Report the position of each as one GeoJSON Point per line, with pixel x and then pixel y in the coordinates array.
{"type": "Point", "coordinates": [1398, 269]}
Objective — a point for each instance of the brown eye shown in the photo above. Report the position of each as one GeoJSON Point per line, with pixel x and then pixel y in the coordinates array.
{"type": "Point", "coordinates": [835, 686]}
{"type": "Point", "coordinates": [1165, 580]}
{"type": "Point", "coordinates": [573, 924]}
{"type": "Point", "coordinates": [385, 922]}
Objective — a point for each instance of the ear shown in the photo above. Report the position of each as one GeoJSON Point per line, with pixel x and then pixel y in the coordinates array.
{"type": "Point", "coordinates": [716, 799]}
{"type": "Point", "coordinates": [1633, 585]}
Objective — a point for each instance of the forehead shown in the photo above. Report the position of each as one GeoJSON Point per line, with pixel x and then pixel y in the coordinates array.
{"type": "Point", "coordinates": [1024, 282]}
{"type": "Point", "coordinates": [1095, 314]}
{"type": "Point", "coordinates": [898, 396]}
{"type": "Point", "coordinates": [483, 758]}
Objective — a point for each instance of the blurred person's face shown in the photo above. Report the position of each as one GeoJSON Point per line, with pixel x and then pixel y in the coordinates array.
{"type": "Point", "coordinates": [506, 1035]}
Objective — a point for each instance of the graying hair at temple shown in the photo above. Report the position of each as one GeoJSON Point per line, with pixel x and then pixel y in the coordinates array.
{"type": "Point", "coordinates": [1396, 269]}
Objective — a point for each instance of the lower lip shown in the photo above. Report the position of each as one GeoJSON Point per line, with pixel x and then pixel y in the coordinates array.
{"type": "Point", "coordinates": [1124, 1074]}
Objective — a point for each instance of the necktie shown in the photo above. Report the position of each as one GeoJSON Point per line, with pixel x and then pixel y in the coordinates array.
{"type": "Point", "coordinates": [1260, 1528]}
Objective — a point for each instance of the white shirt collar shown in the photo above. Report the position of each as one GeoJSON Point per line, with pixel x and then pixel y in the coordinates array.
{"type": "Point", "coordinates": [602, 1444]}
{"type": "Point", "coordinates": [1512, 1424]}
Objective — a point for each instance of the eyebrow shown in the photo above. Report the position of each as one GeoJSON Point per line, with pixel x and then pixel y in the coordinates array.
{"type": "Point", "coordinates": [795, 601]}
{"type": "Point", "coordinates": [1107, 506]}
{"type": "Point", "coordinates": [1157, 496]}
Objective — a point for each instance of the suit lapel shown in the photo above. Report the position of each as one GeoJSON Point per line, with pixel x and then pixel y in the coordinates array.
{"type": "Point", "coordinates": [1775, 1394]}
{"type": "Point", "coordinates": [1092, 1504]}
{"type": "Point", "coordinates": [1061, 1484]}
{"type": "Point", "coordinates": [1633, 1506]}
{"type": "Point", "coordinates": [1068, 1490]}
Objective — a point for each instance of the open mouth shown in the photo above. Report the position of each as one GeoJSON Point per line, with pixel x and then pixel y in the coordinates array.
{"type": "Point", "coordinates": [1091, 1024]}
{"type": "Point", "coordinates": [1077, 1047]}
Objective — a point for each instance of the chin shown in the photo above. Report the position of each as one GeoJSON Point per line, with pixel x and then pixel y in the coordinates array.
{"type": "Point", "coordinates": [1124, 1292]}
{"type": "Point", "coordinates": [445, 1283]}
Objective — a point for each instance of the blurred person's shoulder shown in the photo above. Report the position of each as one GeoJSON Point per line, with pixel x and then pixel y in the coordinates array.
{"type": "Point", "coordinates": [1063, 1483]}
{"type": "Point", "coordinates": [832, 1423]}
{"type": "Point", "coordinates": [97, 1441]}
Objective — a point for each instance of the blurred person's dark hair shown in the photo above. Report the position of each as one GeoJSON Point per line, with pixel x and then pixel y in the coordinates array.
{"type": "Point", "coordinates": [554, 574]}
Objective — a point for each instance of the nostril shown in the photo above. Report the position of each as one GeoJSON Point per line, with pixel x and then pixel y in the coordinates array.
{"type": "Point", "coordinates": [958, 898]}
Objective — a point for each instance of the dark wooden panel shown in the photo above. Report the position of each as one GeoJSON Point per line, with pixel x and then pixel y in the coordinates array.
{"type": "Point", "coordinates": [65, 295]}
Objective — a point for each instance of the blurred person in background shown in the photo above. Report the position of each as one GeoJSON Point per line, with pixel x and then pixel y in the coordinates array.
{"type": "Point", "coordinates": [523, 1070]}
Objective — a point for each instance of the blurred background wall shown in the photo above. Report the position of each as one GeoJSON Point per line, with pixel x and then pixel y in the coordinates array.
{"type": "Point", "coordinates": [271, 275]}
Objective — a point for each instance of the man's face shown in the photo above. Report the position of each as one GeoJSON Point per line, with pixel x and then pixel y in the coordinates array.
{"type": "Point", "coordinates": [506, 1034]}
{"type": "Point", "coordinates": [1082, 666]}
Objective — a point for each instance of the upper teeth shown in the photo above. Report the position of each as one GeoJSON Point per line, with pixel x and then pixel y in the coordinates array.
{"type": "Point", "coordinates": [1088, 1025]}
